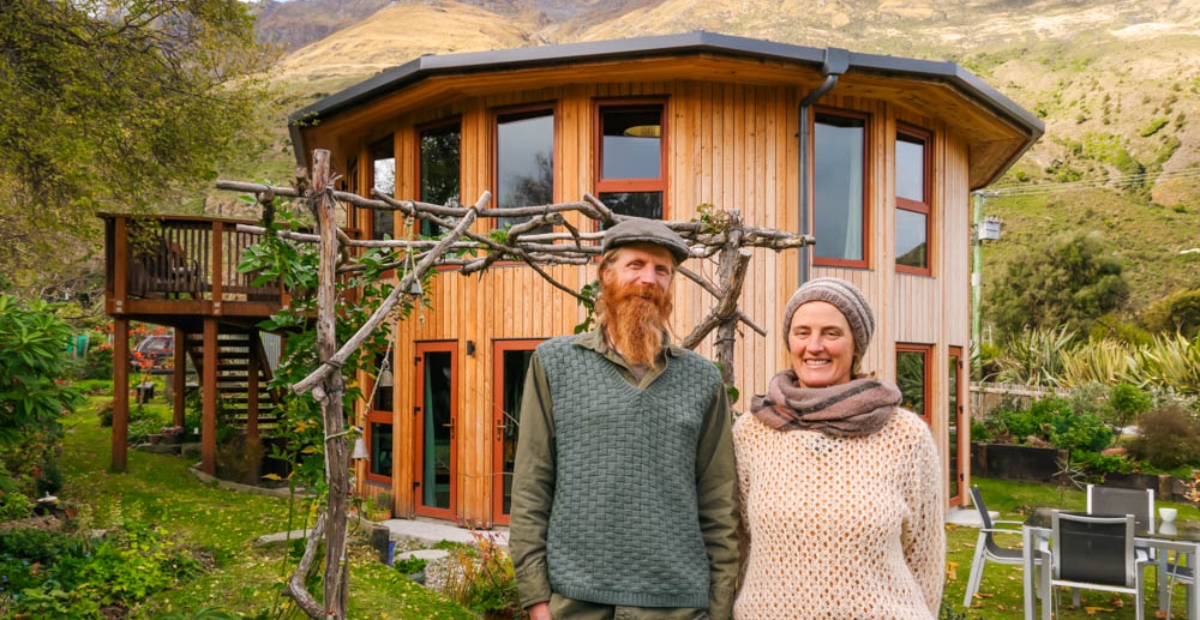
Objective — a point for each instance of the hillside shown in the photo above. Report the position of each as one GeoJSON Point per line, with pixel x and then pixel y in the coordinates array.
{"type": "Point", "coordinates": [1117, 83]}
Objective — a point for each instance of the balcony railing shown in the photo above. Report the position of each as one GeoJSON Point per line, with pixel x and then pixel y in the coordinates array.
{"type": "Point", "coordinates": [180, 259]}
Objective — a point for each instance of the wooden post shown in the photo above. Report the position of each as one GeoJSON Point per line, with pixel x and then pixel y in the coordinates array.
{"type": "Point", "coordinates": [179, 379]}
{"type": "Point", "coordinates": [218, 266]}
{"type": "Point", "coordinates": [208, 382]}
{"type": "Point", "coordinates": [337, 573]}
{"type": "Point", "coordinates": [732, 272]}
{"type": "Point", "coordinates": [120, 427]}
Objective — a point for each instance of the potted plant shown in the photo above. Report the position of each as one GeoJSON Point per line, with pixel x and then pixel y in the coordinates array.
{"type": "Point", "coordinates": [413, 567]}
{"type": "Point", "coordinates": [381, 506]}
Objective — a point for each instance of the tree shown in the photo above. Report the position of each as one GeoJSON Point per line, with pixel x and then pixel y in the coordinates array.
{"type": "Point", "coordinates": [105, 104]}
{"type": "Point", "coordinates": [1177, 312]}
{"type": "Point", "coordinates": [1066, 283]}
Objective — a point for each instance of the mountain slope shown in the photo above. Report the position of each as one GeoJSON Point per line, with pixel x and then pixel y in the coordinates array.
{"type": "Point", "coordinates": [1117, 83]}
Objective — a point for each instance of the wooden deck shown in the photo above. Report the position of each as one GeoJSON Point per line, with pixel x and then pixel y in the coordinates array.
{"type": "Point", "coordinates": [182, 272]}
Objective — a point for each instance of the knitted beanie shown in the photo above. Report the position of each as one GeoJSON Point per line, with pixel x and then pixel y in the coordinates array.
{"type": "Point", "coordinates": [846, 298]}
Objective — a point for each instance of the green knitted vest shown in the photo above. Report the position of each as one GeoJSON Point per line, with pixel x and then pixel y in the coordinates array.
{"type": "Point", "coordinates": [624, 528]}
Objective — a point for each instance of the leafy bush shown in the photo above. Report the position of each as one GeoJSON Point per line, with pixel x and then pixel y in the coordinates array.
{"type": "Point", "coordinates": [15, 506]}
{"type": "Point", "coordinates": [1169, 438]}
{"type": "Point", "coordinates": [482, 579]}
{"type": "Point", "coordinates": [1125, 403]}
{"type": "Point", "coordinates": [34, 545]}
{"type": "Point", "coordinates": [1177, 312]}
{"type": "Point", "coordinates": [980, 432]}
{"type": "Point", "coordinates": [1102, 464]}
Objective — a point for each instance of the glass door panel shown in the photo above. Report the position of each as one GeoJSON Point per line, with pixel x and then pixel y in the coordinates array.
{"type": "Point", "coordinates": [511, 361]}
{"type": "Point", "coordinates": [954, 427]}
{"type": "Point", "coordinates": [436, 415]}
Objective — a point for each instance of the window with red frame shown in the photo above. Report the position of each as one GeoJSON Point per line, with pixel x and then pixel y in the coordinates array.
{"type": "Point", "coordinates": [912, 377]}
{"type": "Point", "coordinates": [630, 167]}
{"type": "Point", "coordinates": [524, 161]}
{"type": "Point", "coordinates": [383, 178]}
{"type": "Point", "coordinates": [913, 214]}
{"type": "Point", "coordinates": [379, 424]}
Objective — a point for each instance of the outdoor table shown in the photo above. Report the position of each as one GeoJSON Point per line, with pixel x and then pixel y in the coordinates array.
{"type": "Point", "coordinates": [1182, 537]}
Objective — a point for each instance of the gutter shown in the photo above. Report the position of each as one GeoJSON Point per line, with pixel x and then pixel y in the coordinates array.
{"type": "Point", "coordinates": [836, 62]}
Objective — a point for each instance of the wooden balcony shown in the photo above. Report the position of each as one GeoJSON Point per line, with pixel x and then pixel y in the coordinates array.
{"type": "Point", "coordinates": [176, 270]}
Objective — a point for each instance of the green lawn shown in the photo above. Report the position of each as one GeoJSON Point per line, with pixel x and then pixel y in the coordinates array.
{"type": "Point", "coordinates": [221, 524]}
{"type": "Point", "coordinates": [1000, 594]}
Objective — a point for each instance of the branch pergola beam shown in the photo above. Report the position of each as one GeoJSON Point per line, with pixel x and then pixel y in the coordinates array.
{"type": "Point", "coordinates": [728, 238]}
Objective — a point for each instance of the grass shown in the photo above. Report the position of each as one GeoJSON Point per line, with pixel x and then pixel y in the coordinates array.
{"type": "Point", "coordinates": [221, 524]}
{"type": "Point", "coordinates": [1001, 591]}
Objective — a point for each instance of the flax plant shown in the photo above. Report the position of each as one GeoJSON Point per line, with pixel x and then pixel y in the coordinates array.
{"type": "Point", "coordinates": [1034, 357]}
{"type": "Point", "coordinates": [1107, 362]}
{"type": "Point", "coordinates": [1172, 361]}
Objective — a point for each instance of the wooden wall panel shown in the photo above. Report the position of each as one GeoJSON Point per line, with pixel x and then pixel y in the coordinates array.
{"type": "Point", "coordinates": [731, 145]}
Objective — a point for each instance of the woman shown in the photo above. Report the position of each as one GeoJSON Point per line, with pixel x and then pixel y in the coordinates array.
{"type": "Point", "coordinates": [841, 489]}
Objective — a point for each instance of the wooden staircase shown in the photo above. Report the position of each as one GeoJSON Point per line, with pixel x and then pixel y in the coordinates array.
{"type": "Point", "coordinates": [243, 376]}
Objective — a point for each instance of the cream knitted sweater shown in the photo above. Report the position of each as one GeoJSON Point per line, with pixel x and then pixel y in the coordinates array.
{"type": "Point", "coordinates": [840, 528]}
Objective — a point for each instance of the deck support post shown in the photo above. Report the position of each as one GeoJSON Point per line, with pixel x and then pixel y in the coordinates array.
{"type": "Point", "coordinates": [208, 381]}
{"type": "Point", "coordinates": [120, 421]}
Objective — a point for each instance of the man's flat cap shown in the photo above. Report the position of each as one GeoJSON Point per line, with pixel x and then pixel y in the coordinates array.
{"type": "Point", "coordinates": [642, 230]}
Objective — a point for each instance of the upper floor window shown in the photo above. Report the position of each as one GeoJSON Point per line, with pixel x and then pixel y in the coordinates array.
{"type": "Point", "coordinates": [383, 178]}
{"type": "Point", "coordinates": [839, 189]}
{"type": "Point", "coordinates": [913, 214]}
{"type": "Point", "coordinates": [630, 174]}
{"type": "Point", "coordinates": [440, 168]}
{"type": "Point", "coordinates": [524, 160]}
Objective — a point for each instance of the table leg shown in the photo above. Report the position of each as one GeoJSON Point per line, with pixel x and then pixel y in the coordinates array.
{"type": "Point", "coordinates": [1193, 602]}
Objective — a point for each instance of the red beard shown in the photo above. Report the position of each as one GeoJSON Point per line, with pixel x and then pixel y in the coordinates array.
{"type": "Point", "coordinates": [635, 318]}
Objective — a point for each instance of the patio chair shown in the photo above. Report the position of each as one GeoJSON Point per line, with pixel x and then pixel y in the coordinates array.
{"type": "Point", "coordinates": [1095, 553]}
{"type": "Point", "coordinates": [1112, 501]}
{"type": "Point", "coordinates": [1177, 573]}
{"type": "Point", "coordinates": [987, 549]}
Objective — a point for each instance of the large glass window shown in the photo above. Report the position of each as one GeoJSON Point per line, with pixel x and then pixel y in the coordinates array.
{"type": "Point", "coordinates": [524, 160]}
{"type": "Point", "coordinates": [630, 176]}
{"type": "Point", "coordinates": [380, 434]}
{"type": "Point", "coordinates": [912, 202]}
{"type": "Point", "coordinates": [441, 169]}
{"type": "Point", "coordinates": [912, 377]}
{"type": "Point", "coordinates": [839, 190]}
{"type": "Point", "coordinates": [383, 178]}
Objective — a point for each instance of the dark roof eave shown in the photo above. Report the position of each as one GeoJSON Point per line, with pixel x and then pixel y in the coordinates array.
{"type": "Point", "coordinates": [663, 45]}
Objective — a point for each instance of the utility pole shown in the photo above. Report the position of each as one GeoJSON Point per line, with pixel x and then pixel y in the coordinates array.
{"type": "Point", "coordinates": [982, 229]}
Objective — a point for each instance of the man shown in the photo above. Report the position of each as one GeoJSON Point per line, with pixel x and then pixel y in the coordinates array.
{"type": "Point", "coordinates": [624, 490]}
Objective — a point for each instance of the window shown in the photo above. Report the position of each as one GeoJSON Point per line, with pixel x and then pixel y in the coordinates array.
{"type": "Point", "coordinates": [912, 377]}
{"type": "Point", "coordinates": [441, 167]}
{"type": "Point", "coordinates": [524, 161]}
{"type": "Point", "coordinates": [630, 174]}
{"type": "Point", "coordinates": [383, 178]}
{"type": "Point", "coordinates": [511, 361]}
{"type": "Point", "coordinates": [379, 423]}
{"type": "Point", "coordinates": [912, 202]}
{"type": "Point", "coordinates": [839, 190]}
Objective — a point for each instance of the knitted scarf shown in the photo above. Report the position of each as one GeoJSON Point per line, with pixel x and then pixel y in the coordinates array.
{"type": "Point", "coordinates": [854, 409]}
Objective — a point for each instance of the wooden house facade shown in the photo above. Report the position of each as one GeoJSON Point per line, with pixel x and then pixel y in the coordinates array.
{"type": "Point", "coordinates": [874, 156]}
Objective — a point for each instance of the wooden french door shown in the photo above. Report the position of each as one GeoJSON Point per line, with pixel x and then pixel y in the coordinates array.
{"type": "Point", "coordinates": [435, 483]}
{"type": "Point", "coordinates": [509, 362]}
{"type": "Point", "coordinates": [957, 428]}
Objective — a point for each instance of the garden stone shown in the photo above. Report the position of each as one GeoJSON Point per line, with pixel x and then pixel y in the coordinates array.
{"type": "Point", "coordinates": [190, 450]}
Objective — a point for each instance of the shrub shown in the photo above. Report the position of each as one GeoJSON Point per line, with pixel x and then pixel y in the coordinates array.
{"type": "Point", "coordinates": [34, 545]}
{"type": "Point", "coordinates": [482, 579]}
{"type": "Point", "coordinates": [1125, 403]}
{"type": "Point", "coordinates": [15, 506]}
{"type": "Point", "coordinates": [1102, 464]}
{"type": "Point", "coordinates": [410, 565]}
{"type": "Point", "coordinates": [1169, 438]}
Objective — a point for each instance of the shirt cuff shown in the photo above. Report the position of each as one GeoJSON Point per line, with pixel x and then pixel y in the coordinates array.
{"type": "Point", "coordinates": [533, 584]}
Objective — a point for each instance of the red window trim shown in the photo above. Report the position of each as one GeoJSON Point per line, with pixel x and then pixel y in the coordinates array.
{"type": "Point", "coordinates": [378, 416]}
{"type": "Point", "coordinates": [499, 348]}
{"type": "Point", "coordinates": [924, 208]}
{"type": "Point", "coordinates": [927, 351]}
{"type": "Point", "coordinates": [867, 188]}
{"type": "Point", "coordinates": [420, 349]}
{"type": "Point", "coordinates": [602, 185]}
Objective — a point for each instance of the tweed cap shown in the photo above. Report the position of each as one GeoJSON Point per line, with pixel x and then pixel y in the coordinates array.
{"type": "Point", "coordinates": [846, 298]}
{"type": "Point", "coordinates": [642, 230]}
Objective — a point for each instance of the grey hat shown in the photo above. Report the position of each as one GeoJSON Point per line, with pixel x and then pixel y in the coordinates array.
{"type": "Point", "coordinates": [642, 230]}
{"type": "Point", "coordinates": [846, 298]}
